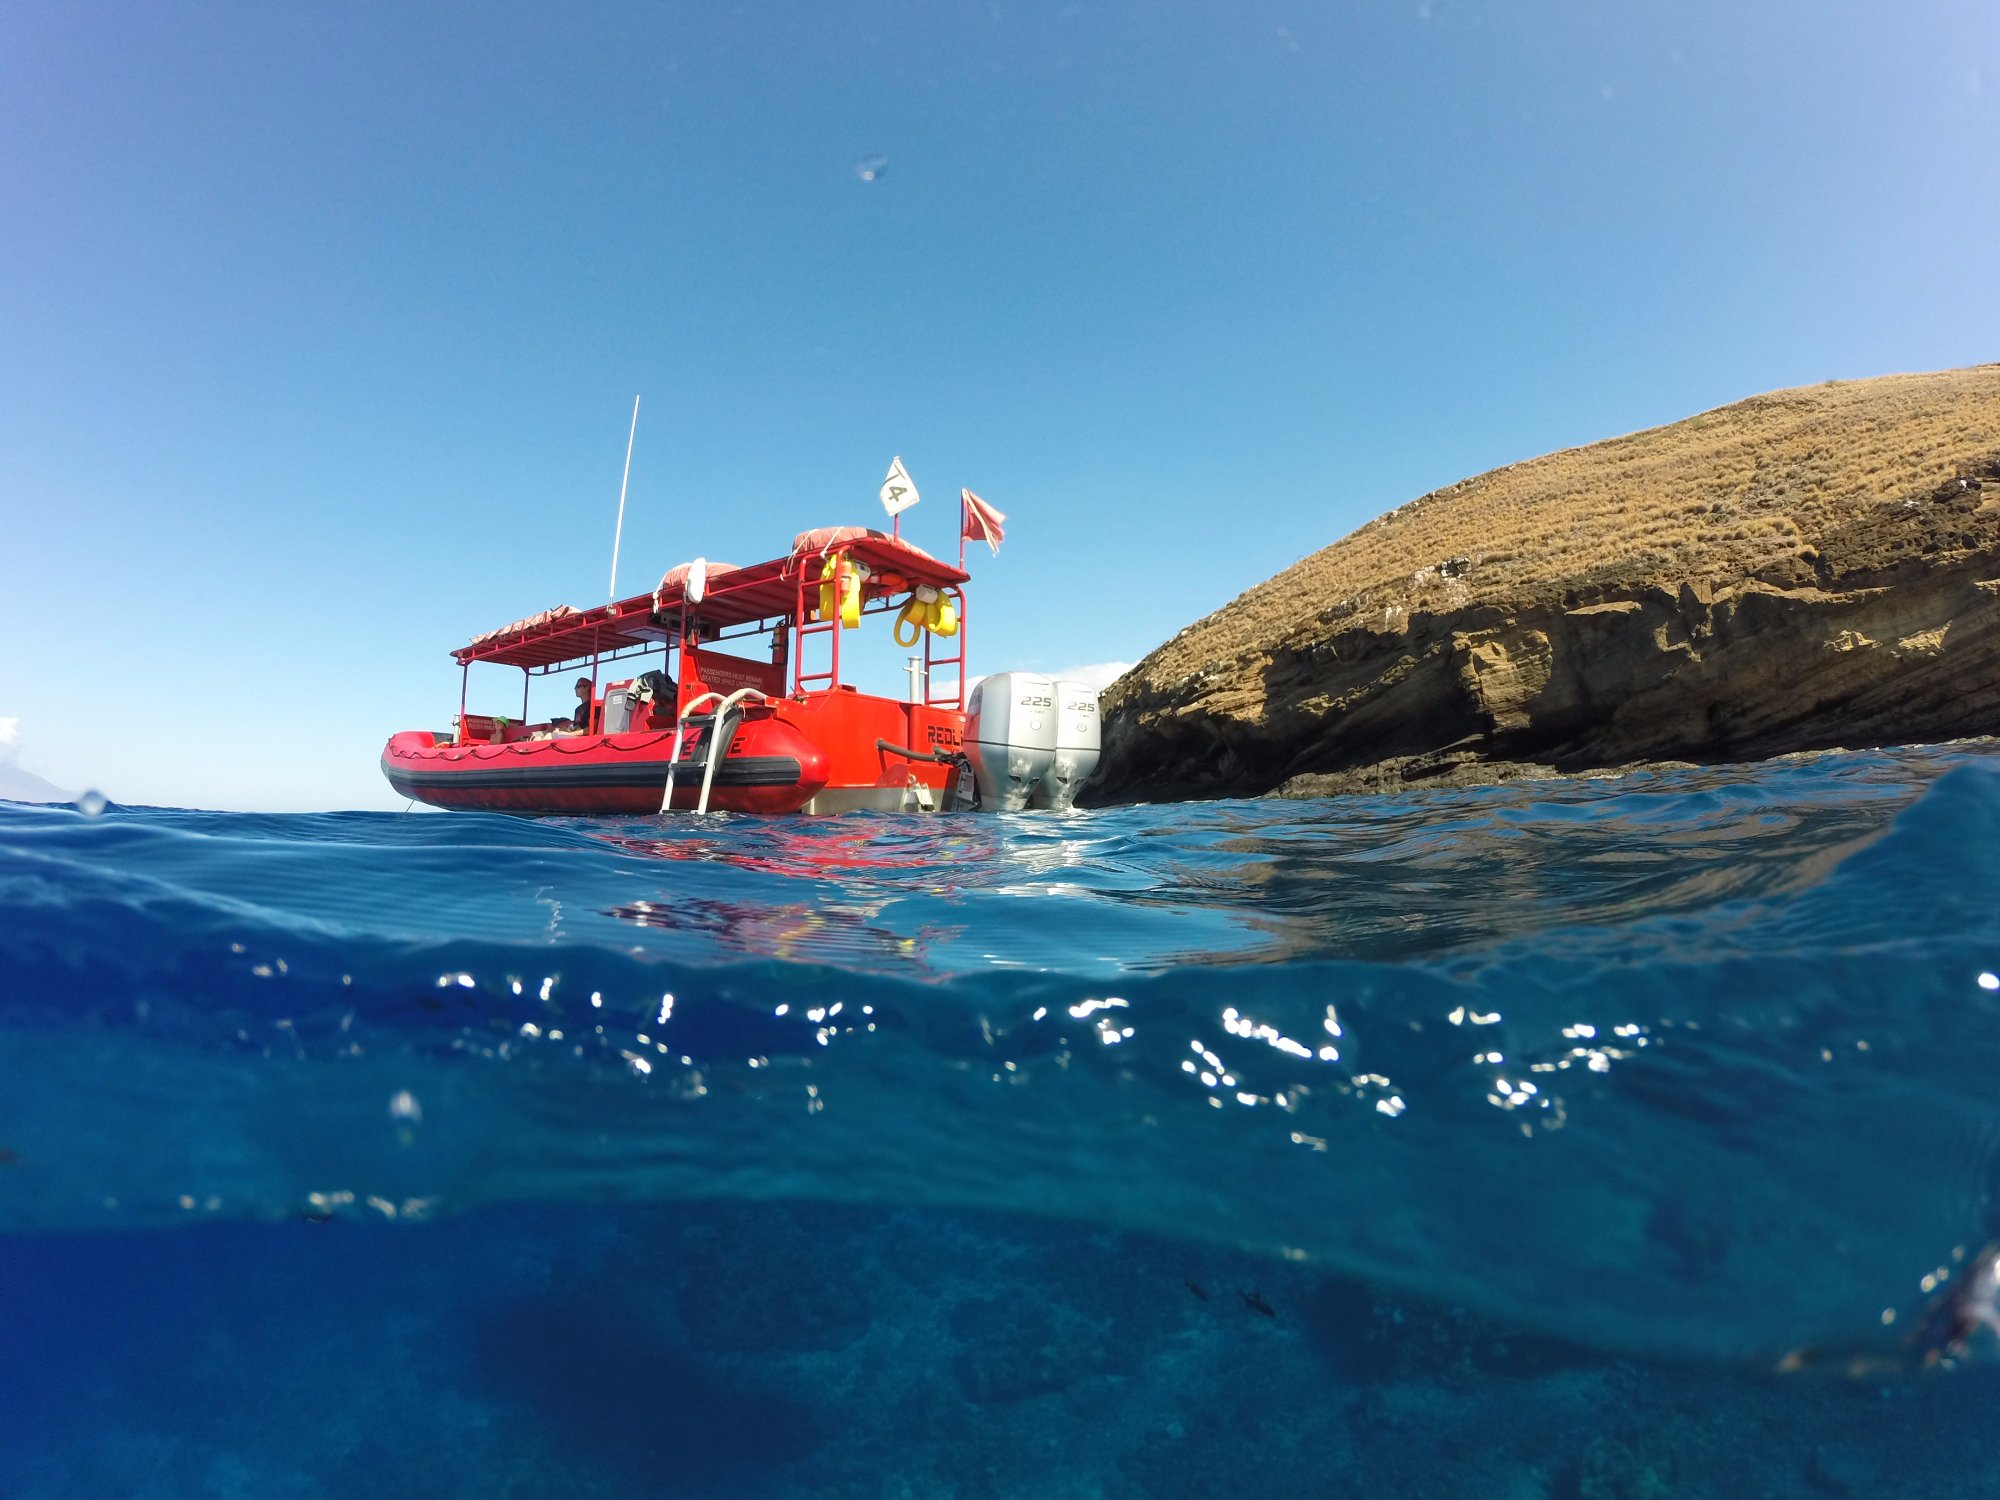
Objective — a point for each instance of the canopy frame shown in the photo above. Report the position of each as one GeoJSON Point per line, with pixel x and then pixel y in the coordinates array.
{"type": "Point", "coordinates": [763, 598]}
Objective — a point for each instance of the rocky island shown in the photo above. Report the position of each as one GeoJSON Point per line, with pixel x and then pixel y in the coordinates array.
{"type": "Point", "coordinates": [1803, 570]}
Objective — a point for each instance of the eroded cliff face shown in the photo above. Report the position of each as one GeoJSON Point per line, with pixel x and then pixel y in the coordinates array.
{"type": "Point", "coordinates": [1877, 623]}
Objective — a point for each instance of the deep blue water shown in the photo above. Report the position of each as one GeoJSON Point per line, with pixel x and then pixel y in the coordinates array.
{"type": "Point", "coordinates": [1496, 1142]}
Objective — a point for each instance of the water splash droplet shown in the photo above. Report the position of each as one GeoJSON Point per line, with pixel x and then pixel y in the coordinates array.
{"type": "Point", "coordinates": [871, 168]}
{"type": "Point", "coordinates": [92, 804]}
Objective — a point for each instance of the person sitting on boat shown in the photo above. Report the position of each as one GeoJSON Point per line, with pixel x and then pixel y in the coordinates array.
{"type": "Point", "coordinates": [580, 721]}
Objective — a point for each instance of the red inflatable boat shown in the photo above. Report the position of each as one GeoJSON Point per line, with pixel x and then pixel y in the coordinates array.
{"type": "Point", "coordinates": [742, 706]}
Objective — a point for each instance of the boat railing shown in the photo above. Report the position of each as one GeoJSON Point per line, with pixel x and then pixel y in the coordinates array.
{"type": "Point", "coordinates": [718, 741]}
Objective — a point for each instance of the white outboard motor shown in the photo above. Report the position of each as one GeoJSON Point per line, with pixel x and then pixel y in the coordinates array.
{"type": "Point", "coordinates": [1077, 744]}
{"type": "Point", "coordinates": [1010, 738]}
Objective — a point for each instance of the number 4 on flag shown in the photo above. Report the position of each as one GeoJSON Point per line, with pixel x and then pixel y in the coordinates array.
{"type": "Point", "coordinates": [898, 493]}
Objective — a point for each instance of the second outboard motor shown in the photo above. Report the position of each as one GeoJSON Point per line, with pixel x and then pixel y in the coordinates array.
{"type": "Point", "coordinates": [1077, 743]}
{"type": "Point", "coordinates": [1010, 737]}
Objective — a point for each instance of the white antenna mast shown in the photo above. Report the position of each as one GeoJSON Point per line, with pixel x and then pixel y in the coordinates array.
{"type": "Point", "coordinates": [619, 535]}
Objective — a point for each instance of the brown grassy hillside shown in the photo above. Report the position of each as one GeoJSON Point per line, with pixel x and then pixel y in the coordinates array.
{"type": "Point", "coordinates": [1752, 490]}
{"type": "Point", "coordinates": [1848, 486]}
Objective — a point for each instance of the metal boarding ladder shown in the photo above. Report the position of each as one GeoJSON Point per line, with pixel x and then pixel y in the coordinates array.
{"type": "Point", "coordinates": [955, 698]}
{"type": "Point", "coordinates": [809, 625]}
{"type": "Point", "coordinates": [718, 742]}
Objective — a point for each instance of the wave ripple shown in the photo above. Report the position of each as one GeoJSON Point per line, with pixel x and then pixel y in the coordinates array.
{"type": "Point", "coordinates": [1695, 1063]}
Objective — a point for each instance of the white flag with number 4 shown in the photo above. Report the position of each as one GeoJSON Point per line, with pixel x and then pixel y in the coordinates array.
{"type": "Point", "coordinates": [898, 493]}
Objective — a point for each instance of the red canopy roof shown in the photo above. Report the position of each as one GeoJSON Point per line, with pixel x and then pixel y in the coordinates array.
{"type": "Point", "coordinates": [733, 597]}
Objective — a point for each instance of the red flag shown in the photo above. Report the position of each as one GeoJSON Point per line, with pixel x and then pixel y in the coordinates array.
{"type": "Point", "coordinates": [980, 522]}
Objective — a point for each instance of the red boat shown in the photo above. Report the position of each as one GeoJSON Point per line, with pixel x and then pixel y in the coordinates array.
{"type": "Point", "coordinates": [743, 707]}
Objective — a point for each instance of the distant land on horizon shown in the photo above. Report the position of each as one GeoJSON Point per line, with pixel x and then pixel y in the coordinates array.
{"type": "Point", "coordinates": [18, 785]}
{"type": "Point", "coordinates": [1809, 569]}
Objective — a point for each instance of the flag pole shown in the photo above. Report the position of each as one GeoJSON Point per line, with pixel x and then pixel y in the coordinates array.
{"type": "Point", "coordinates": [619, 535]}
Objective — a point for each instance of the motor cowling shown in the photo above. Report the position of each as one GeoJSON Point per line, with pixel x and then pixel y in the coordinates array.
{"type": "Point", "coordinates": [1010, 738]}
{"type": "Point", "coordinates": [1076, 750]}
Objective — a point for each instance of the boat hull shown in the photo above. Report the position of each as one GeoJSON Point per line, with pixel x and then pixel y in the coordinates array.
{"type": "Point", "coordinates": [768, 768]}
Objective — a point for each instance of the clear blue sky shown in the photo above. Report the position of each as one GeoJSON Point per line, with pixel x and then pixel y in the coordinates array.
{"type": "Point", "coordinates": [320, 326]}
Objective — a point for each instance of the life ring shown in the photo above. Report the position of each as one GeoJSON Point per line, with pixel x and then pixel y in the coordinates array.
{"type": "Point", "coordinates": [927, 610]}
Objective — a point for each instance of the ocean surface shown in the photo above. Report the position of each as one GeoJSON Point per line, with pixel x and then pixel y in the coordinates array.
{"type": "Point", "coordinates": [1625, 1137]}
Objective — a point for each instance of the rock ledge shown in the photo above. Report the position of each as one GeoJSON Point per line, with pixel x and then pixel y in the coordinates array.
{"type": "Point", "coordinates": [1800, 571]}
